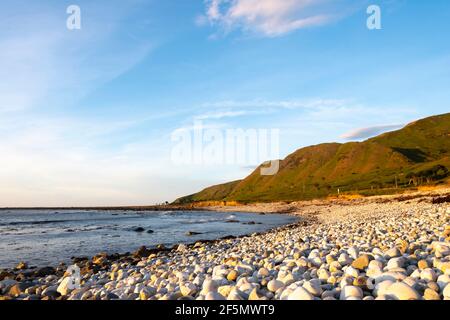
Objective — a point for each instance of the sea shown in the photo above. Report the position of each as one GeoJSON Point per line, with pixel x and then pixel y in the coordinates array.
{"type": "Point", "coordinates": [49, 237]}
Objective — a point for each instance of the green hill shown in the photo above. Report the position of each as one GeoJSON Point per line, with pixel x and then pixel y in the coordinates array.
{"type": "Point", "coordinates": [416, 155]}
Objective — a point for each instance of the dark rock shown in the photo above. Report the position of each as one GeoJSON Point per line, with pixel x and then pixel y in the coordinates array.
{"type": "Point", "coordinates": [142, 252]}
{"type": "Point", "coordinates": [61, 269]}
{"type": "Point", "coordinates": [46, 271]}
{"type": "Point", "coordinates": [249, 222]}
{"type": "Point", "coordinates": [52, 294]}
{"type": "Point", "coordinates": [139, 229]}
{"type": "Point", "coordinates": [192, 233]}
{"type": "Point", "coordinates": [27, 274]}
{"type": "Point", "coordinates": [31, 290]}
{"type": "Point", "coordinates": [439, 200]}
{"type": "Point", "coordinates": [150, 231]}
{"type": "Point", "coordinates": [114, 257]}
{"type": "Point", "coordinates": [228, 237]}
{"type": "Point", "coordinates": [112, 296]}
{"type": "Point", "coordinates": [79, 259]}
{"type": "Point", "coordinates": [21, 277]}
{"type": "Point", "coordinates": [6, 275]}
{"type": "Point", "coordinates": [232, 221]}
{"type": "Point", "coordinates": [88, 270]}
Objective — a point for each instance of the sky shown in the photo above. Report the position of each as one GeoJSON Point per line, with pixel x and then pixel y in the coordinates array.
{"type": "Point", "coordinates": [92, 115]}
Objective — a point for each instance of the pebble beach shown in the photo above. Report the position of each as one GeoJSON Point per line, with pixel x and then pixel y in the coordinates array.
{"type": "Point", "coordinates": [380, 248]}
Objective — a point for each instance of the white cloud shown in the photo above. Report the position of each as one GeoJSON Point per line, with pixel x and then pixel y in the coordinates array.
{"type": "Point", "coordinates": [363, 133]}
{"type": "Point", "coordinates": [268, 17]}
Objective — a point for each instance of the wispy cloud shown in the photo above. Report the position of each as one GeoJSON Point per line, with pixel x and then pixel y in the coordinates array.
{"type": "Point", "coordinates": [221, 114]}
{"type": "Point", "coordinates": [247, 108]}
{"type": "Point", "coordinates": [363, 133]}
{"type": "Point", "coordinates": [269, 18]}
{"type": "Point", "coordinates": [313, 103]}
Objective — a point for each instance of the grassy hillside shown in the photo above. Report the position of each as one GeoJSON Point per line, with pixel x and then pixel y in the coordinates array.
{"type": "Point", "coordinates": [214, 193]}
{"type": "Point", "coordinates": [418, 154]}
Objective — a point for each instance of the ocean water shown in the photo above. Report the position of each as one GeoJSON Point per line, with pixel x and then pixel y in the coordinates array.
{"type": "Point", "coordinates": [48, 237]}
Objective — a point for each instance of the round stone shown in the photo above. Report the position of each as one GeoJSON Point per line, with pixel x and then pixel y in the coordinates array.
{"type": "Point", "coordinates": [446, 292]}
{"type": "Point", "coordinates": [402, 291]}
{"type": "Point", "coordinates": [313, 287]}
{"type": "Point", "coordinates": [300, 294]}
{"type": "Point", "coordinates": [209, 285]}
{"type": "Point", "coordinates": [351, 292]}
{"type": "Point", "coordinates": [393, 252]}
{"type": "Point", "coordinates": [352, 272]}
{"type": "Point", "coordinates": [361, 262]}
{"type": "Point", "coordinates": [395, 263]}
{"type": "Point", "coordinates": [214, 296]}
{"type": "Point", "coordinates": [263, 272]}
{"type": "Point", "coordinates": [423, 264]}
{"type": "Point", "coordinates": [188, 289]}
{"type": "Point", "coordinates": [431, 295]}
{"type": "Point", "coordinates": [344, 259]}
{"type": "Point", "coordinates": [428, 275]}
{"type": "Point", "coordinates": [275, 285]}
{"type": "Point", "coordinates": [335, 266]}
{"type": "Point", "coordinates": [232, 275]}
{"type": "Point", "coordinates": [353, 252]}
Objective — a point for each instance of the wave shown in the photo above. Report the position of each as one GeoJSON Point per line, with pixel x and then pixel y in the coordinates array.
{"type": "Point", "coordinates": [17, 223]}
{"type": "Point", "coordinates": [171, 213]}
{"type": "Point", "coordinates": [81, 219]}
{"type": "Point", "coordinates": [204, 220]}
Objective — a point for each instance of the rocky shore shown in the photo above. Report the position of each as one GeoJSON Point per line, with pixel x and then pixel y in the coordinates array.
{"type": "Point", "coordinates": [381, 248]}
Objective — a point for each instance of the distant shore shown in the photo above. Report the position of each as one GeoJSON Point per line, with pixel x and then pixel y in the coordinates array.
{"type": "Point", "coordinates": [278, 207]}
{"type": "Point", "coordinates": [113, 208]}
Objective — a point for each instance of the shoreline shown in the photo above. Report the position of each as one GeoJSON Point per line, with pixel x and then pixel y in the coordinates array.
{"type": "Point", "coordinates": [131, 256]}
{"type": "Point", "coordinates": [252, 266]}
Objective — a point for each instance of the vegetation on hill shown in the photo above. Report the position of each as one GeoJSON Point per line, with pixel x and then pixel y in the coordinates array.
{"type": "Point", "coordinates": [416, 155]}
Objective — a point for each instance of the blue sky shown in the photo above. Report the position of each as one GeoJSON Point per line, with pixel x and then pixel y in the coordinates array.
{"type": "Point", "coordinates": [86, 116]}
